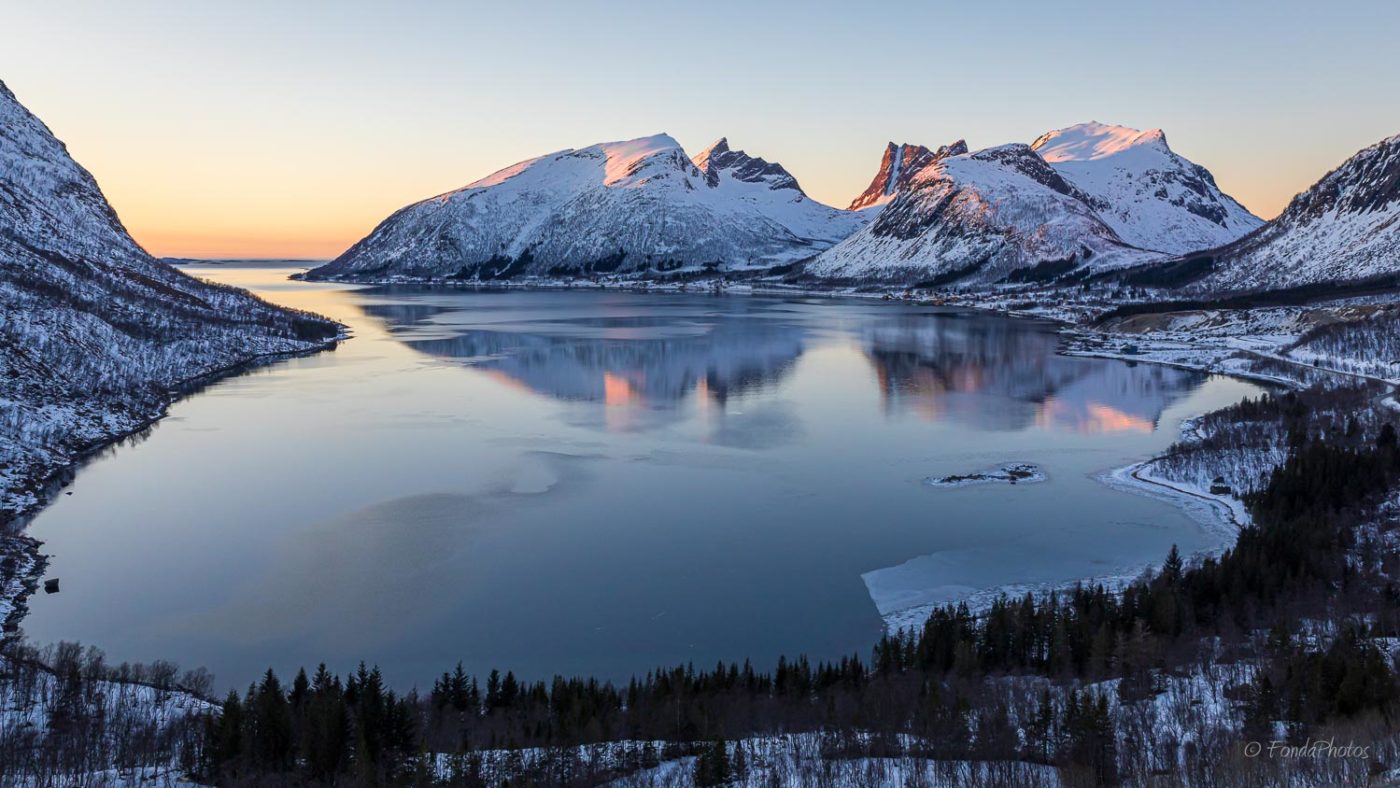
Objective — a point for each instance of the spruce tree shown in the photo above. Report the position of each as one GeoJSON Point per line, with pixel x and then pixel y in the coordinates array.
{"type": "Point", "coordinates": [228, 735]}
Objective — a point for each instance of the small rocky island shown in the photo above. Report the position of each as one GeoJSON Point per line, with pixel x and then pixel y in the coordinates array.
{"type": "Point", "coordinates": [1010, 473]}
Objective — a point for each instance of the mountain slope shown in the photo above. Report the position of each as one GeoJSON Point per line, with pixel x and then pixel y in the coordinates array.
{"type": "Point", "coordinates": [631, 207]}
{"type": "Point", "coordinates": [94, 333]}
{"type": "Point", "coordinates": [979, 218]}
{"type": "Point", "coordinates": [1345, 227]}
{"type": "Point", "coordinates": [898, 167]}
{"type": "Point", "coordinates": [1150, 196]}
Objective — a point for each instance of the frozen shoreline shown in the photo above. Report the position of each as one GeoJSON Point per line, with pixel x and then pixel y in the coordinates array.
{"type": "Point", "coordinates": [1220, 516]}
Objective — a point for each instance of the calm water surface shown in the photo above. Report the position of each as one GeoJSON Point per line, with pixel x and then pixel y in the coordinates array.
{"type": "Point", "coordinates": [601, 482]}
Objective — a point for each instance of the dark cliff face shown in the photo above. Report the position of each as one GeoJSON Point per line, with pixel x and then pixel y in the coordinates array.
{"type": "Point", "coordinates": [743, 167]}
{"type": "Point", "coordinates": [1021, 159]}
{"type": "Point", "coordinates": [927, 201]}
{"type": "Point", "coordinates": [898, 167]}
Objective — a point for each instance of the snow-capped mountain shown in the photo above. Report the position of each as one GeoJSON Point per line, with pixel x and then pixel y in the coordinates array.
{"type": "Point", "coordinates": [979, 218]}
{"type": "Point", "coordinates": [1090, 196]}
{"type": "Point", "coordinates": [898, 167]}
{"type": "Point", "coordinates": [1345, 227]}
{"type": "Point", "coordinates": [94, 333]}
{"type": "Point", "coordinates": [635, 207]}
{"type": "Point", "coordinates": [1150, 196]}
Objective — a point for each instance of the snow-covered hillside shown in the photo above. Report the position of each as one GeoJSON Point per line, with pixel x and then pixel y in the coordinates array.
{"type": "Point", "coordinates": [68, 717]}
{"type": "Point", "coordinates": [640, 206]}
{"type": "Point", "coordinates": [1153, 198]}
{"type": "Point", "coordinates": [979, 218]}
{"type": "Point", "coordinates": [94, 333]}
{"type": "Point", "coordinates": [1345, 227]}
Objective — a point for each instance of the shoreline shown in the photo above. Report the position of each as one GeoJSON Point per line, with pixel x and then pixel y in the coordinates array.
{"type": "Point", "coordinates": [1220, 516]}
{"type": "Point", "coordinates": [24, 550]}
{"type": "Point", "coordinates": [895, 293]}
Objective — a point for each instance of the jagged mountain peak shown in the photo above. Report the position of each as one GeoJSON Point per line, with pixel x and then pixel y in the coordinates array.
{"type": "Point", "coordinates": [898, 166]}
{"type": "Point", "coordinates": [1094, 140]}
{"type": "Point", "coordinates": [956, 148]}
{"type": "Point", "coordinates": [718, 147]}
{"type": "Point", "coordinates": [719, 158]}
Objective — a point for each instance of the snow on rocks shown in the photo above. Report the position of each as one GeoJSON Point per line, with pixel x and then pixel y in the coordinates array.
{"type": "Point", "coordinates": [20, 569]}
{"type": "Point", "coordinates": [1150, 196]}
{"type": "Point", "coordinates": [979, 218]}
{"type": "Point", "coordinates": [1345, 227]}
{"type": "Point", "coordinates": [1088, 198]}
{"type": "Point", "coordinates": [898, 168]}
{"type": "Point", "coordinates": [1010, 473]}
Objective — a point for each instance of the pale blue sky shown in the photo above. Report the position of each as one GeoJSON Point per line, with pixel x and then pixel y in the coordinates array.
{"type": "Point", "coordinates": [293, 127]}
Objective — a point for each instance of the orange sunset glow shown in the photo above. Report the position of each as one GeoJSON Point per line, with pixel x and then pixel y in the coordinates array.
{"type": "Point", "coordinates": [618, 390]}
{"type": "Point", "coordinates": [1091, 418]}
{"type": "Point", "coordinates": [284, 131]}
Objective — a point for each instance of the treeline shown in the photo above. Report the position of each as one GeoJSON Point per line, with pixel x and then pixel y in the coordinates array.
{"type": "Point", "coordinates": [1182, 273]}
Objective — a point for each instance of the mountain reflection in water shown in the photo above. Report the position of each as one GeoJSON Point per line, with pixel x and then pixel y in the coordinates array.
{"type": "Point", "coordinates": [993, 373]}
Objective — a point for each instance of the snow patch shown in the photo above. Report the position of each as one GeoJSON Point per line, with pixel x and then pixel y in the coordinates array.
{"type": "Point", "coordinates": [1010, 473]}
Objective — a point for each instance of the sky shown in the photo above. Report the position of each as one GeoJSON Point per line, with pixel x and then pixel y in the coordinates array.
{"type": "Point", "coordinates": [290, 129]}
